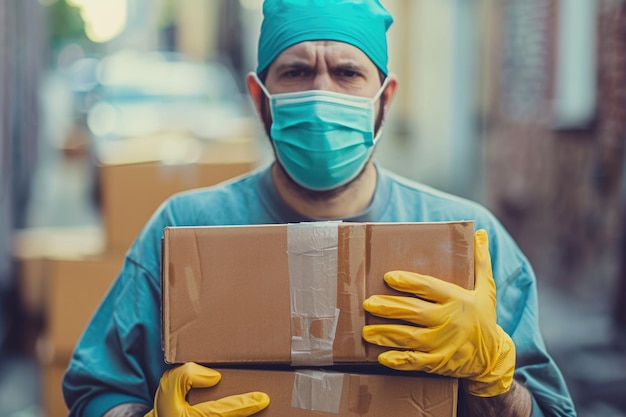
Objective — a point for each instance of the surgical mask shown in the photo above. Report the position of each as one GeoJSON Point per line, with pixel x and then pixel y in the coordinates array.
{"type": "Point", "coordinates": [323, 139]}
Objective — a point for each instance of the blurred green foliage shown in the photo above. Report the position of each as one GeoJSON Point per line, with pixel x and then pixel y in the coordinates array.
{"type": "Point", "coordinates": [65, 24]}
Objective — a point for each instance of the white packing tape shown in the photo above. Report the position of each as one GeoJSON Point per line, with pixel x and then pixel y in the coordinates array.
{"type": "Point", "coordinates": [312, 254]}
{"type": "Point", "coordinates": [317, 390]}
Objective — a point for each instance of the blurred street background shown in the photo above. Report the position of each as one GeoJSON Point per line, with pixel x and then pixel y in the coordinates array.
{"type": "Point", "coordinates": [108, 106]}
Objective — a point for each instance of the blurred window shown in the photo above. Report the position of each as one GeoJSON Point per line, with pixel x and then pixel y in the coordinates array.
{"type": "Point", "coordinates": [575, 78]}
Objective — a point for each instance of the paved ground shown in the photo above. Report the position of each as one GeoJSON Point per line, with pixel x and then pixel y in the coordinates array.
{"type": "Point", "coordinates": [578, 332]}
{"type": "Point", "coordinates": [590, 353]}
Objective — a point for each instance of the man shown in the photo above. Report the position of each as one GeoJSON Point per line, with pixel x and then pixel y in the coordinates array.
{"type": "Point", "coordinates": [322, 89]}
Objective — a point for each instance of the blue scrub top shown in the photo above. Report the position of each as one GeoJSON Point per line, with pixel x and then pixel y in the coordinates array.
{"type": "Point", "coordinates": [119, 357]}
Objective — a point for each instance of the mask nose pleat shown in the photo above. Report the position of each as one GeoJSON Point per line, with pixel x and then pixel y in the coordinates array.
{"type": "Point", "coordinates": [322, 117]}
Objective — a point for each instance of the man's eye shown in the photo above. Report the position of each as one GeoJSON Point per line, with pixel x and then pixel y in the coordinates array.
{"type": "Point", "coordinates": [298, 73]}
{"type": "Point", "coordinates": [347, 73]}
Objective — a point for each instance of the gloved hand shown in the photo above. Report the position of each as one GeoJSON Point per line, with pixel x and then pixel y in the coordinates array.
{"type": "Point", "coordinates": [453, 332]}
{"type": "Point", "coordinates": [170, 400]}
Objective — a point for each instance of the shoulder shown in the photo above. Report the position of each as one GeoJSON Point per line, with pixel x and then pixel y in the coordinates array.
{"type": "Point", "coordinates": [230, 202]}
{"type": "Point", "coordinates": [223, 203]}
{"type": "Point", "coordinates": [413, 201]}
{"type": "Point", "coordinates": [432, 204]}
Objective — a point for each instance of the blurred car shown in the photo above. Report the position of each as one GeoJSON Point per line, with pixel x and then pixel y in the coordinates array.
{"type": "Point", "coordinates": [151, 95]}
{"type": "Point", "coordinates": [141, 94]}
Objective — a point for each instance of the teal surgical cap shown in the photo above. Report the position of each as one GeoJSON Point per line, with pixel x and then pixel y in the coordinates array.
{"type": "Point", "coordinates": [362, 23]}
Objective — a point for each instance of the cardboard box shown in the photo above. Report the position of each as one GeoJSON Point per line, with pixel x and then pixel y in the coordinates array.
{"type": "Point", "coordinates": [32, 247]}
{"type": "Point", "coordinates": [52, 402]}
{"type": "Point", "coordinates": [137, 175]}
{"type": "Point", "coordinates": [75, 288]}
{"type": "Point", "coordinates": [293, 294]}
{"type": "Point", "coordinates": [311, 393]}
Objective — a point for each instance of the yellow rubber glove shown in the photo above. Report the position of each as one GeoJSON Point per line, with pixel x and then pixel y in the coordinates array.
{"type": "Point", "coordinates": [170, 400]}
{"type": "Point", "coordinates": [453, 332]}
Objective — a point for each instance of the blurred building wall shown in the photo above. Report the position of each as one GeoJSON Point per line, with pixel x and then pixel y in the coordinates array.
{"type": "Point", "coordinates": [197, 21]}
{"type": "Point", "coordinates": [439, 51]}
{"type": "Point", "coordinates": [555, 185]}
{"type": "Point", "coordinates": [416, 139]}
{"type": "Point", "coordinates": [211, 30]}
{"type": "Point", "coordinates": [21, 60]}
{"type": "Point", "coordinates": [141, 32]}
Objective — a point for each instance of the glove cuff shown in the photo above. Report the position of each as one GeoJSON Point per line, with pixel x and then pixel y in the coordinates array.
{"type": "Point", "coordinates": [499, 379]}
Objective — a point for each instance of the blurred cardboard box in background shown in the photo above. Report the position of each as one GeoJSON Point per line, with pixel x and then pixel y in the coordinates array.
{"type": "Point", "coordinates": [34, 247]}
{"type": "Point", "coordinates": [136, 175]}
{"type": "Point", "coordinates": [53, 404]}
{"type": "Point", "coordinates": [63, 274]}
{"type": "Point", "coordinates": [75, 288]}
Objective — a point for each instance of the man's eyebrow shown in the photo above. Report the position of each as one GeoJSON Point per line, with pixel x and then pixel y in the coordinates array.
{"type": "Point", "coordinates": [348, 66]}
{"type": "Point", "coordinates": [304, 65]}
{"type": "Point", "coordinates": [289, 66]}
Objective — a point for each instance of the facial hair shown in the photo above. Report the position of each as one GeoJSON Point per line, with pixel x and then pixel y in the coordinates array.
{"type": "Point", "coordinates": [303, 192]}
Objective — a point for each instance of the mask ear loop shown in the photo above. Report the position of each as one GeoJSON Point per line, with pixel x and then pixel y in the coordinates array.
{"type": "Point", "coordinates": [260, 83]}
{"type": "Point", "coordinates": [264, 89]}
{"type": "Point", "coordinates": [380, 90]}
{"type": "Point", "coordinates": [374, 100]}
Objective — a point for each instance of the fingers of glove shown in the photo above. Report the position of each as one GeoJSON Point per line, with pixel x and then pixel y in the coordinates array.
{"type": "Point", "coordinates": [170, 398]}
{"type": "Point", "coordinates": [240, 405]}
{"type": "Point", "coordinates": [483, 274]}
{"type": "Point", "coordinates": [416, 361]}
{"type": "Point", "coordinates": [191, 375]}
{"type": "Point", "coordinates": [414, 310]}
{"type": "Point", "coordinates": [406, 337]}
{"type": "Point", "coordinates": [423, 286]}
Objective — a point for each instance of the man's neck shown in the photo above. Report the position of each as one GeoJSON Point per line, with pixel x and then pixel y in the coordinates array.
{"type": "Point", "coordinates": [342, 203]}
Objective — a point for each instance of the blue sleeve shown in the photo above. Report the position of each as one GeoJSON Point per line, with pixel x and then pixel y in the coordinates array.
{"type": "Point", "coordinates": [517, 309]}
{"type": "Point", "coordinates": [119, 358]}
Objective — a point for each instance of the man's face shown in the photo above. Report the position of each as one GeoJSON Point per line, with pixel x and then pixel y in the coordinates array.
{"type": "Point", "coordinates": [323, 65]}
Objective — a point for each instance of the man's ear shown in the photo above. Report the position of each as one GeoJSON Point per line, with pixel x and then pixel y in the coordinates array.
{"type": "Point", "coordinates": [390, 90]}
{"type": "Point", "coordinates": [256, 93]}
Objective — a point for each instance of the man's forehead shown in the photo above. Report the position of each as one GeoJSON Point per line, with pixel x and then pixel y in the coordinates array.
{"type": "Point", "coordinates": [334, 51]}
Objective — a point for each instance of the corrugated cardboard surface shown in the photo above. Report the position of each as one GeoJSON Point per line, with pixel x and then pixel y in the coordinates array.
{"type": "Point", "coordinates": [133, 186]}
{"type": "Point", "coordinates": [351, 395]}
{"type": "Point", "coordinates": [226, 290]}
